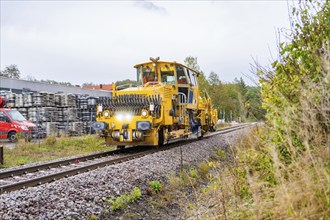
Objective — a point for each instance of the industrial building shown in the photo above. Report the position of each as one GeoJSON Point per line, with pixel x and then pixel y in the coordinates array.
{"type": "Point", "coordinates": [19, 86]}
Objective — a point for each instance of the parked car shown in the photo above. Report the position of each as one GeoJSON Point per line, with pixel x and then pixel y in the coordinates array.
{"type": "Point", "coordinates": [12, 122]}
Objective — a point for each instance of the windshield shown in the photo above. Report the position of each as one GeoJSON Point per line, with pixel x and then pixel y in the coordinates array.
{"type": "Point", "coordinates": [148, 75]}
{"type": "Point", "coordinates": [167, 77]}
{"type": "Point", "coordinates": [15, 115]}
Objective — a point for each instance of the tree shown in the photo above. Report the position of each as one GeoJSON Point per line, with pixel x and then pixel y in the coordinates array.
{"type": "Point", "coordinates": [89, 84]}
{"type": "Point", "coordinates": [126, 82]}
{"type": "Point", "coordinates": [11, 71]}
{"type": "Point", "coordinates": [192, 63]}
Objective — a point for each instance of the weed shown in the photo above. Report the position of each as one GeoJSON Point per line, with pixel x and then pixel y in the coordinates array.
{"type": "Point", "coordinates": [118, 203]}
{"type": "Point", "coordinates": [50, 140]}
{"type": "Point", "coordinates": [135, 194]}
{"type": "Point", "coordinates": [174, 182]}
{"type": "Point", "coordinates": [93, 217]}
{"type": "Point", "coordinates": [218, 155]}
{"type": "Point", "coordinates": [122, 201]}
{"type": "Point", "coordinates": [190, 205]}
{"type": "Point", "coordinates": [155, 186]}
{"type": "Point", "coordinates": [203, 169]}
{"type": "Point", "coordinates": [193, 173]}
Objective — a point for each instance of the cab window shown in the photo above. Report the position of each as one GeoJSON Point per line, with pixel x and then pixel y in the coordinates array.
{"type": "Point", "coordinates": [181, 76]}
{"type": "Point", "coordinates": [148, 75]}
{"type": "Point", "coordinates": [192, 76]}
{"type": "Point", "coordinates": [138, 76]}
{"type": "Point", "coordinates": [167, 77]}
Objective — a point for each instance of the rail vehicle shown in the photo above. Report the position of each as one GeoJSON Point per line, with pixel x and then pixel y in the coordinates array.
{"type": "Point", "coordinates": [166, 105]}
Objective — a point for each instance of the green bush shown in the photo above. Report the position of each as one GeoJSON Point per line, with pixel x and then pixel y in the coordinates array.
{"type": "Point", "coordinates": [118, 203]}
{"type": "Point", "coordinates": [155, 186]}
{"type": "Point", "coordinates": [135, 194]}
{"type": "Point", "coordinates": [122, 201]}
{"type": "Point", "coordinates": [193, 173]}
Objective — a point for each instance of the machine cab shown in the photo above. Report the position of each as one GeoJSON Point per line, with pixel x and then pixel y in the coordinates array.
{"type": "Point", "coordinates": [181, 77]}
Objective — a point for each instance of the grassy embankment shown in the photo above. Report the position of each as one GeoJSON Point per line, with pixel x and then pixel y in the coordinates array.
{"type": "Point", "coordinates": [248, 181]}
{"type": "Point", "coordinates": [52, 148]}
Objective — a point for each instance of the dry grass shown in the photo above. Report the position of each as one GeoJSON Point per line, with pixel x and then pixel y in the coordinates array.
{"type": "Point", "coordinates": [52, 148]}
{"type": "Point", "coordinates": [259, 186]}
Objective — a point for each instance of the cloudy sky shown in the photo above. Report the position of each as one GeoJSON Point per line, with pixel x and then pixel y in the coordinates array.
{"type": "Point", "coordinates": [100, 41]}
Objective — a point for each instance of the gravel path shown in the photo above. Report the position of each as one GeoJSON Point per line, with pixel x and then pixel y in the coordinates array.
{"type": "Point", "coordinates": [80, 196]}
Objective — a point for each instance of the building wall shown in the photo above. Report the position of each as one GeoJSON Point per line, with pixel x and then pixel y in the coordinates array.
{"type": "Point", "coordinates": [18, 85]}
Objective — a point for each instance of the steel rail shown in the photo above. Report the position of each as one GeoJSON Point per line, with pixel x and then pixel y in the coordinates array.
{"type": "Point", "coordinates": [78, 170]}
{"type": "Point", "coordinates": [50, 165]}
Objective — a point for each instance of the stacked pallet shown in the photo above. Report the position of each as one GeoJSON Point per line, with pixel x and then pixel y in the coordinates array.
{"type": "Point", "coordinates": [57, 113]}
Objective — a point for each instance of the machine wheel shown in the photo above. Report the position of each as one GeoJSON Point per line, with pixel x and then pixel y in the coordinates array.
{"type": "Point", "coordinates": [160, 137]}
{"type": "Point", "coordinates": [12, 136]}
{"type": "Point", "coordinates": [120, 147]}
{"type": "Point", "coordinates": [199, 133]}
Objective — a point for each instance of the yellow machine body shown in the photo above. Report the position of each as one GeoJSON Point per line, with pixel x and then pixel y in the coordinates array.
{"type": "Point", "coordinates": [166, 105]}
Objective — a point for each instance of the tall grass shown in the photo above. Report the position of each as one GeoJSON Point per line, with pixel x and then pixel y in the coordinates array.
{"type": "Point", "coordinates": [258, 185]}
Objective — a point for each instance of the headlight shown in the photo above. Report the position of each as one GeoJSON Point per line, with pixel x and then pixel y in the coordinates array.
{"type": "Point", "coordinates": [120, 117]}
{"type": "Point", "coordinates": [24, 128]}
{"type": "Point", "coordinates": [143, 125]}
{"type": "Point", "coordinates": [144, 113]}
{"type": "Point", "coordinates": [128, 117]}
{"type": "Point", "coordinates": [123, 116]}
{"type": "Point", "coordinates": [106, 114]}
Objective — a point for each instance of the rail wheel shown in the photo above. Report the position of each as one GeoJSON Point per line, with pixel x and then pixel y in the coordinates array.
{"type": "Point", "coordinates": [199, 132]}
{"type": "Point", "coordinates": [160, 137]}
{"type": "Point", "coordinates": [12, 136]}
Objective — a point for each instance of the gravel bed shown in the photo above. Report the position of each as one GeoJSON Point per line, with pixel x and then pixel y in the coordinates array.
{"type": "Point", "coordinates": [79, 196]}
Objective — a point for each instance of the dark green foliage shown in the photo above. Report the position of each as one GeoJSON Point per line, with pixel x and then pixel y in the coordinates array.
{"type": "Point", "coordinates": [234, 101]}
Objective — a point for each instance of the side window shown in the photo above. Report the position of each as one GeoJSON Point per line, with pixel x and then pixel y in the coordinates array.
{"type": "Point", "coordinates": [192, 77]}
{"type": "Point", "coordinates": [3, 117]}
{"type": "Point", "coordinates": [181, 76]}
{"type": "Point", "coordinates": [138, 76]}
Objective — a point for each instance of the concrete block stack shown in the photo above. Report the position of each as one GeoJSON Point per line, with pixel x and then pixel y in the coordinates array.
{"type": "Point", "coordinates": [57, 113]}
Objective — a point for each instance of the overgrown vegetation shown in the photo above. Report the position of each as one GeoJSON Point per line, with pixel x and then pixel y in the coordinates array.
{"type": "Point", "coordinates": [283, 171]}
{"type": "Point", "coordinates": [295, 91]}
{"type": "Point", "coordinates": [52, 148]}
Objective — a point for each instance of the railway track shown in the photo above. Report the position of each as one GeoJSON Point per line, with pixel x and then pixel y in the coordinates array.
{"type": "Point", "coordinates": [48, 172]}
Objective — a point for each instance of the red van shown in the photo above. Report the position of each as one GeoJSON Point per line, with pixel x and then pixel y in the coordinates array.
{"type": "Point", "coordinates": [13, 122]}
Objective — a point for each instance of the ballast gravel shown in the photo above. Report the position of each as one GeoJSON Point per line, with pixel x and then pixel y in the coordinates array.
{"type": "Point", "coordinates": [80, 196]}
